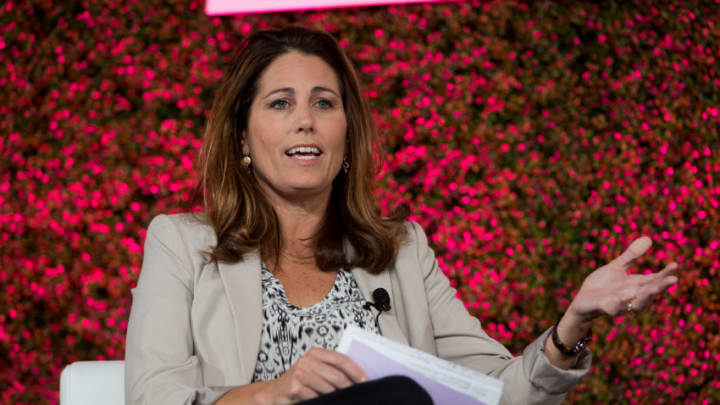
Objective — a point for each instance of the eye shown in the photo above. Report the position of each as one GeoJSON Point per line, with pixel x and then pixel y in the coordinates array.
{"type": "Point", "coordinates": [279, 104]}
{"type": "Point", "coordinates": [324, 104]}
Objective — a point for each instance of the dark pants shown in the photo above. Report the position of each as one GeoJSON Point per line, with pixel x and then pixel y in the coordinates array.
{"type": "Point", "coordinates": [394, 390]}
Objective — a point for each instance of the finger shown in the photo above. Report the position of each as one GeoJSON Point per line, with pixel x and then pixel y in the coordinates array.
{"type": "Point", "coordinates": [304, 393]}
{"type": "Point", "coordinates": [342, 362]}
{"type": "Point", "coordinates": [298, 389]}
{"type": "Point", "coordinates": [333, 375]}
{"type": "Point", "coordinates": [642, 303]}
{"type": "Point", "coordinates": [633, 305]}
{"type": "Point", "coordinates": [617, 304]}
{"type": "Point", "coordinates": [661, 284]}
{"type": "Point", "coordinates": [669, 270]}
{"type": "Point", "coordinates": [649, 291]}
{"type": "Point", "coordinates": [664, 276]}
{"type": "Point", "coordinates": [636, 249]}
{"type": "Point", "coordinates": [326, 371]}
{"type": "Point", "coordinates": [308, 376]}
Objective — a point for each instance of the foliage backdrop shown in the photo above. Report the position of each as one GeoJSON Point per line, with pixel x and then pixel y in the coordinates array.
{"type": "Point", "coordinates": [533, 140]}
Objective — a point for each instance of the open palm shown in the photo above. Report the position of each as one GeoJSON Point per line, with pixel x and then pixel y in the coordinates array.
{"type": "Point", "coordinates": [610, 290]}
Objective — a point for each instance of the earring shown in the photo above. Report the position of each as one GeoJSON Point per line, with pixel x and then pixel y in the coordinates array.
{"type": "Point", "coordinates": [346, 166]}
{"type": "Point", "coordinates": [246, 160]}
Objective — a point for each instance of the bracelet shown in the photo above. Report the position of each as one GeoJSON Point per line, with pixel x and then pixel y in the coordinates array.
{"type": "Point", "coordinates": [564, 349]}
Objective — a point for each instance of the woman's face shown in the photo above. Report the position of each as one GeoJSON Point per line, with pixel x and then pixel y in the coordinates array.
{"type": "Point", "coordinates": [296, 127]}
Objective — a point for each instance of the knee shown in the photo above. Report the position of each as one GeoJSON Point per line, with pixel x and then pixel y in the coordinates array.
{"type": "Point", "coordinates": [405, 388]}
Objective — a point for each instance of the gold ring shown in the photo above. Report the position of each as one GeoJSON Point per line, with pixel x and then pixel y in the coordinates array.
{"type": "Point", "coordinates": [629, 305]}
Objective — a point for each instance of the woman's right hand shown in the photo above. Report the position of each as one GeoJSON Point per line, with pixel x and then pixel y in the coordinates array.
{"type": "Point", "coordinates": [317, 372]}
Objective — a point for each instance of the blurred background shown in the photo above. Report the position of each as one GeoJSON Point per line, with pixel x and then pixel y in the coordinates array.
{"type": "Point", "coordinates": [533, 141]}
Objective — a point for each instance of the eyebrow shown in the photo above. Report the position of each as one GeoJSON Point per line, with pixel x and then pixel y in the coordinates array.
{"type": "Point", "coordinates": [316, 89]}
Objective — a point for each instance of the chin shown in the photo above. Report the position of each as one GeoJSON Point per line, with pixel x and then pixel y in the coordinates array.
{"type": "Point", "coordinates": [308, 188]}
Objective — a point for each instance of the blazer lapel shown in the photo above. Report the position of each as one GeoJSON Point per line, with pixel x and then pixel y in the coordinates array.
{"type": "Point", "coordinates": [243, 287]}
{"type": "Point", "coordinates": [389, 326]}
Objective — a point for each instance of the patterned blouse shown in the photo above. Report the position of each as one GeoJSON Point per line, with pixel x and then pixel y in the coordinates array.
{"type": "Point", "coordinates": [289, 331]}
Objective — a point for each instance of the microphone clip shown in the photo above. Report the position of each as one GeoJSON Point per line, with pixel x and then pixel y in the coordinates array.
{"type": "Point", "coordinates": [381, 301]}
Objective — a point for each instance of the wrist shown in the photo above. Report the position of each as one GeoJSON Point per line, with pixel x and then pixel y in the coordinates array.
{"type": "Point", "coordinates": [568, 331]}
{"type": "Point", "coordinates": [243, 394]}
{"type": "Point", "coordinates": [573, 319]}
{"type": "Point", "coordinates": [571, 334]}
{"type": "Point", "coordinates": [265, 395]}
{"type": "Point", "coordinates": [569, 350]}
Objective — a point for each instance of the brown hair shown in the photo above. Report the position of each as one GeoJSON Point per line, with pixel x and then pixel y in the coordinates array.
{"type": "Point", "coordinates": [233, 203]}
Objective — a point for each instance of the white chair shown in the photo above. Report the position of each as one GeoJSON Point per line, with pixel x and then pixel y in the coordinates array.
{"type": "Point", "coordinates": [92, 383]}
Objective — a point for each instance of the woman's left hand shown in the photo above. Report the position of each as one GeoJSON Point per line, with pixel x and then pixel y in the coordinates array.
{"type": "Point", "coordinates": [610, 290]}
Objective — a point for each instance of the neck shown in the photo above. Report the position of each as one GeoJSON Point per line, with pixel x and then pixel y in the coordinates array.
{"type": "Point", "coordinates": [300, 218]}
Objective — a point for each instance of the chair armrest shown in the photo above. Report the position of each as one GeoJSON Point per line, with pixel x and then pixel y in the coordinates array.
{"type": "Point", "coordinates": [93, 382]}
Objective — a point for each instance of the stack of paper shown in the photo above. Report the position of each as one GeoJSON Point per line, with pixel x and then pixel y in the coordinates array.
{"type": "Point", "coordinates": [447, 383]}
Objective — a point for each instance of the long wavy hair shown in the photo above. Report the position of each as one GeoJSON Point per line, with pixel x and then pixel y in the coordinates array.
{"type": "Point", "coordinates": [232, 200]}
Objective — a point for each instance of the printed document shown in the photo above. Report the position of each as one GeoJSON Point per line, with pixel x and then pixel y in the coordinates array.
{"type": "Point", "coordinates": [446, 382]}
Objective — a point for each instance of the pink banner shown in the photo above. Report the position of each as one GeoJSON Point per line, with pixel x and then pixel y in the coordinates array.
{"type": "Point", "coordinates": [221, 7]}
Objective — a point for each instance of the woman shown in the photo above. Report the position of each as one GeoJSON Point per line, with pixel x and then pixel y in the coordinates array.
{"type": "Point", "coordinates": [244, 303]}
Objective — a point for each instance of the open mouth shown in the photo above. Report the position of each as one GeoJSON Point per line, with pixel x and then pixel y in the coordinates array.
{"type": "Point", "coordinates": [304, 152]}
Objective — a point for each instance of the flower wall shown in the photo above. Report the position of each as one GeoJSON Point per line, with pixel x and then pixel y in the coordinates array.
{"type": "Point", "coordinates": [533, 140]}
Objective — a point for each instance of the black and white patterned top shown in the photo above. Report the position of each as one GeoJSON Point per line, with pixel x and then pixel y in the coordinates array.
{"type": "Point", "coordinates": [289, 331]}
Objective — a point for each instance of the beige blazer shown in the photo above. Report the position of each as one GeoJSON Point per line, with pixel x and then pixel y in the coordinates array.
{"type": "Point", "coordinates": [194, 329]}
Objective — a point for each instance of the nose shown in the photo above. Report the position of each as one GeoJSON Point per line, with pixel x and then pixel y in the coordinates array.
{"type": "Point", "coordinates": [304, 120]}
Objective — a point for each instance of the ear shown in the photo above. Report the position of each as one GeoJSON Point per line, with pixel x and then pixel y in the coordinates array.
{"type": "Point", "coordinates": [243, 144]}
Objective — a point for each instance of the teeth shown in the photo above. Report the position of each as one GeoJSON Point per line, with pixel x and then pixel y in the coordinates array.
{"type": "Point", "coordinates": [303, 149]}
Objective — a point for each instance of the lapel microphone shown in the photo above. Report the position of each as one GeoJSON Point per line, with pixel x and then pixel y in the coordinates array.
{"type": "Point", "coordinates": [381, 300]}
